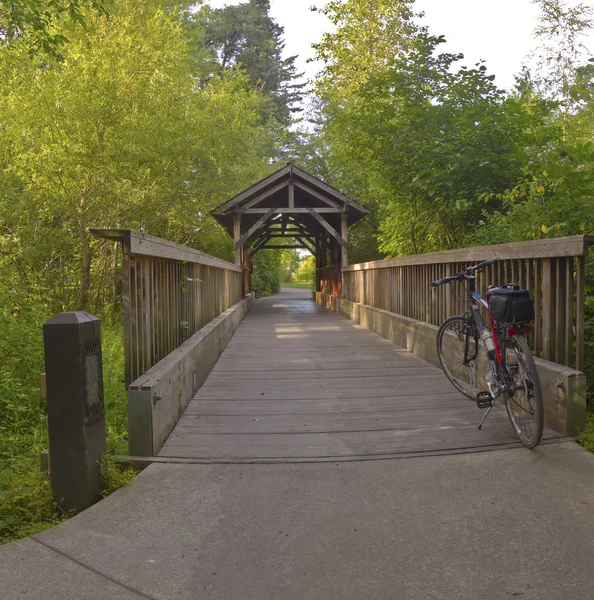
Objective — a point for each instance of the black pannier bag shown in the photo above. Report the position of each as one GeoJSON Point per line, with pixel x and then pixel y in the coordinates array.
{"type": "Point", "coordinates": [510, 304]}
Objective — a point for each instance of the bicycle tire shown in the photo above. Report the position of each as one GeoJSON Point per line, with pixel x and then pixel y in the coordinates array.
{"type": "Point", "coordinates": [528, 427]}
{"type": "Point", "coordinates": [467, 379]}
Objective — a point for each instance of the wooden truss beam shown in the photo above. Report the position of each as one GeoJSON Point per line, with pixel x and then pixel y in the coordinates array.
{"type": "Point", "coordinates": [263, 195]}
{"type": "Point", "coordinates": [317, 195]}
{"type": "Point", "coordinates": [277, 247]}
{"type": "Point", "coordinates": [311, 249]}
{"type": "Point", "coordinates": [291, 211]}
{"type": "Point", "coordinates": [248, 234]}
{"type": "Point", "coordinates": [259, 245]}
{"type": "Point", "coordinates": [328, 227]}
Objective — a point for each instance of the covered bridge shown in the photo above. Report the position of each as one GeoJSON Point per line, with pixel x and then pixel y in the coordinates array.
{"type": "Point", "coordinates": [291, 203]}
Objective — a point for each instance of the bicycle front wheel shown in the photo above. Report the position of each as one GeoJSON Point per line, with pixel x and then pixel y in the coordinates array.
{"type": "Point", "coordinates": [524, 401]}
{"type": "Point", "coordinates": [463, 356]}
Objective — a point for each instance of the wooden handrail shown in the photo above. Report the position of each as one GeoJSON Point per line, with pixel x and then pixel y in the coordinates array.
{"type": "Point", "coordinates": [149, 245]}
{"type": "Point", "coordinates": [550, 248]}
{"type": "Point", "coordinates": [553, 270]}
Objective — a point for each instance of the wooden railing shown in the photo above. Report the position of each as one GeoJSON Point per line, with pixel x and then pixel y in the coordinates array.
{"type": "Point", "coordinates": [553, 270]}
{"type": "Point", "coordinates": [169, 292]}
{"type": "Point", "coordinates": [330, 280]}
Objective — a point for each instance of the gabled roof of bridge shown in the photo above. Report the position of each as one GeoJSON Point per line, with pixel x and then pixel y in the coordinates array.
{"type": "Point", "coordinates": [309, 192]}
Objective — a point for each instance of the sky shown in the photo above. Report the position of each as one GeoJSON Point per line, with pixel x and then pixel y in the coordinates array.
{"type": "Point", "coordinates": [499, 32]}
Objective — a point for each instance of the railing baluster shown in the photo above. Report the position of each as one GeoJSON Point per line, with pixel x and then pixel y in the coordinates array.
{"type": "Point", "coordinates": [569, 304]}
{"type": "Point", "coordinates": [580, 307]}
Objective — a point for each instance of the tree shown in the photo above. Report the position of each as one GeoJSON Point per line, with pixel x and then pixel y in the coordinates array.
{"type": "Point", "coordinates": [368, 35]}
{"type": "Point", "coordinates": [245, 36]}
{"type": "Point", "coordinates": [435, 144]}
{"type": "Point", "coordinates": [289, 264]}
{"type": "Point", "coordinates": [267, 270]}
{"type": "Point", "coordinates": [117, 135]}
{"type": "Point", "coordinates": [561, 52]}
{"type": "Point", "coordinates": [36, 22]}
{"type": "Point", "coordinates": [306, 271]}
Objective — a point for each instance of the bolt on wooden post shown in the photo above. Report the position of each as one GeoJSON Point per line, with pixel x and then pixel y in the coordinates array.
{"type": "Point", "coordinates": [75, 408]}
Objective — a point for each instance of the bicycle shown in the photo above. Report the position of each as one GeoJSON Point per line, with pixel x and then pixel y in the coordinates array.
{"type": "Point", "coordinates": [485, 362]}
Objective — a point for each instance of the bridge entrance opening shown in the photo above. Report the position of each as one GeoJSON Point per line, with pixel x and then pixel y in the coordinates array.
{"type": "Point", "coordinates": [292, 204]}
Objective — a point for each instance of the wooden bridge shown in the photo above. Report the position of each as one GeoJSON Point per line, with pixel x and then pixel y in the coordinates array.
{"type": "Point", "coordinates": [348, 372]}
{"type": "Point", "coordinates": [299, 383]}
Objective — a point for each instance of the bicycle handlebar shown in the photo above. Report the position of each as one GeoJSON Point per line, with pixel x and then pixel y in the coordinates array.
{"type": "Point", "coordinates": [465, 274]}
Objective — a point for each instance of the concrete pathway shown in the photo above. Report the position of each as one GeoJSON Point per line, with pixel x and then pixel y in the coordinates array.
{"type": "Point", "coordinates": [480, 526]}
{"type": "Point", "coordinates": [493, 525]}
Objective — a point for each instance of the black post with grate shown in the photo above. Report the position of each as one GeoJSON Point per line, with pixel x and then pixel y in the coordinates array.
{"type": "Point", "coordinates": [75, 410]}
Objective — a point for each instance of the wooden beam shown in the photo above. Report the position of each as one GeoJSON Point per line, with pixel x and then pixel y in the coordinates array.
{"type": "Point", "coordinates": [237, 237]}
{"type": "Point", "coordinates": [547, 248]}
{"type": "Point", "coordinates": [291, 194]}
{"type": "Point", "coordinates": [287, 235]}
{"type": "Point", "coordinates": [263, 195]}
{"type": "Point", "coordinates": [310, 249]}
{"type": "Point", "coordinates": [327, 227]}
{"type": "Point", "coordinates": [246, 236]}
{"type": "Point", "coordinates": [580, 312]}
{"type": "Point", "coordinates": [149, 245]}
{"type": "Point", "coordinates": [314, 181]}
{"type": "Point", "coordinates": [259, 246]}
{"type": "Point", "coordinates": [318, 195]}
{"type": "Point", "coordinates": [258, 187]}
{"type": "Point", "coordinates": [344, 225]}
{"type": "Point", "coordinates": [277, 247]}
{"type": "Point", "coordinates": [291, 211]}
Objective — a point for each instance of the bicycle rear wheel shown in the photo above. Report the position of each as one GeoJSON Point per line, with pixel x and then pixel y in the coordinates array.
{"type": "Point", "coordinates": [463, 356]}
{"type": "Point", "coordinates": [524, 403]}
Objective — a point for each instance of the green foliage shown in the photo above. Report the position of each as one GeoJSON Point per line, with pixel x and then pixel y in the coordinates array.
{"type": "Point", "coordinates": [34, 22]}
{"type": "Point", "coordinates": [114, 476]}
{"type": "Point", "coordinates": [119, 135]}
{"type": "Point", "coordinates": [435, 143]}
{"type": "Point", "coordinates": [307, 269]}
{"type": "Point", "coordinates": [266, 275]}
{"type": "Point", "coordinates": [26, 502]}
{"type": "Point", "coordinates": [300, 286]}
{"type": "Point", "coordinates": [561, 51]}
{"type": "Point", "coordinates": [245, 36]}
{"type": "Point", "coordinates": [289, 263]}
{"type": "Point", "coordinates": [116, 398]}
{"type": "Point", "coordinates": [22, 420]}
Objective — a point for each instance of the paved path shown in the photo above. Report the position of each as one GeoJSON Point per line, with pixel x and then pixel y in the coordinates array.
{"type": "Point", "coordinates": [481, 526]}
{"type": "Point", "coordinates": [497, 525]}
{"type": "Point", "coordinates": [300, 383]}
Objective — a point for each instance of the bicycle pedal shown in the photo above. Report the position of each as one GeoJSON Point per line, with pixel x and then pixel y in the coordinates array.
{"type": "Point", "coordinates": [484, 400]}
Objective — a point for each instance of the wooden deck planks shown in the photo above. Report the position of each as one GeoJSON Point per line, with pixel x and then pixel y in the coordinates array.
{"type": "Point", "coordinates": [297, 382]}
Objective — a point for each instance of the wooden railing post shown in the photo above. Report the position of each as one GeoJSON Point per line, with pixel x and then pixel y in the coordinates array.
{"type": "Point", "coordinates": [580, 308]}
{"type": "Point", "coordinates": [237, 237]}
{"type": "Point", "coordinates": [548, 308]}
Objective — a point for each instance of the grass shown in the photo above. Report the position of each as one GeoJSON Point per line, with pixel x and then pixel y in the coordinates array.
{"type": "Point", "coordinates": [304, 285]}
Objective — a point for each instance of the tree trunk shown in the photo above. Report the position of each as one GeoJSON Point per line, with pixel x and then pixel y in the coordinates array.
{"type": "Point", "coordinates": [115, 278]}
{"type": "Point", "coordinates": [85, 282]}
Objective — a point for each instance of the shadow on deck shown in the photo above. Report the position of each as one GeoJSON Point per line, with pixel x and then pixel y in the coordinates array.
{"type": "Point", "coordinates": [298, 383]}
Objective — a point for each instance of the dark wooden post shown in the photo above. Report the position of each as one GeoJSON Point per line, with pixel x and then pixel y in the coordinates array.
{"type": "Point", "coordinates": [75, 410]}
{"type": "Point", "coordinates": [318, 264]}
{"type": "Point", "coordinates": [236, 237]}
{"type": "Point", "coordinates": [344, 228]}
